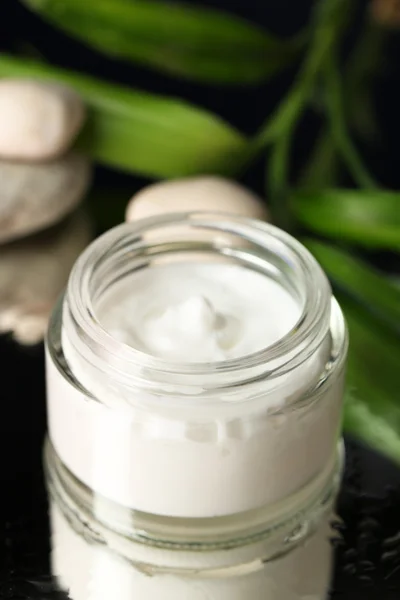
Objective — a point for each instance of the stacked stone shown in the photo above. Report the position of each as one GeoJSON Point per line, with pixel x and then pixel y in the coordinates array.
{"type": "Point", "coordinates": [41, 183]}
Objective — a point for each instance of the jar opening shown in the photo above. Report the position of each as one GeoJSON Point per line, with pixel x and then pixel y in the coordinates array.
{"type": "Point", "coordinates": [184, 238]}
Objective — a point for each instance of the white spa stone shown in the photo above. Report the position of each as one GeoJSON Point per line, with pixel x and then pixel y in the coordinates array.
{"type": "Point", "coordinates": [38, 121]}
{"type": "Point", "coordinates": [34, 196]}
{"type": "Point", "coordinates": [205, 193]}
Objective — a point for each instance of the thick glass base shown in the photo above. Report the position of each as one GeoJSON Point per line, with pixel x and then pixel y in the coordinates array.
{"type": "Point", "coordinates": [101, 550]}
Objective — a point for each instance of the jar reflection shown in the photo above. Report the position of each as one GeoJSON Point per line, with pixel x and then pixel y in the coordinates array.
{"type": "Point", "coordinates": [91, 562]}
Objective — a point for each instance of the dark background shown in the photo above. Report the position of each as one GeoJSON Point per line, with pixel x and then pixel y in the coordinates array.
{"type": "Point", "coordinates": [370, 503]}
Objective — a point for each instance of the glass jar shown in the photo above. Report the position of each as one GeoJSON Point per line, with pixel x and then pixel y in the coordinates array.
{"type": "Point", "coordinates": [195, 449]}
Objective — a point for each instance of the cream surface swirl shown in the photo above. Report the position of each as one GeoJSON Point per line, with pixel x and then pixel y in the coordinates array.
{"type": "Point", "coordinates": [198, 312]}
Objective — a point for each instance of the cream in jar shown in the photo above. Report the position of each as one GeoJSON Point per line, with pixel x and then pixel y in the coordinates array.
{"type": "Point", "coordinates": [195, 368]}
{"type": "Point", "coordinates": [206, 312]}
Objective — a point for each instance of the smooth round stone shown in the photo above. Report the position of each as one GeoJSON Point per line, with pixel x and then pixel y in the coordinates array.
{"type": "Point", "coordinates": [34, 196]}
{"type": "Point", "coordinates": [33, 273]}
{"type": "Point", "coordinates": [38, 121]}
{"type": "Point", "coordinates": [206, 193]}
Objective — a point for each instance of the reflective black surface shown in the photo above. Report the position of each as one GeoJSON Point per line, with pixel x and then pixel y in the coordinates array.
{"type": "Point", "coordinates": [368, 558]}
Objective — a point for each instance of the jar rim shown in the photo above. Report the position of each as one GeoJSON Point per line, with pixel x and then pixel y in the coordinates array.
{"type": "Point", "coordinates": [312, 325]}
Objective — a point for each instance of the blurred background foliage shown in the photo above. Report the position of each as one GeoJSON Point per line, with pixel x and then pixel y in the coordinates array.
{"type": "Point", "coordinates": [297, 99]}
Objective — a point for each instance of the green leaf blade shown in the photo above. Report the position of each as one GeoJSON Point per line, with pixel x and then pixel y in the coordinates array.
{"type": "Point", "coordinates": [372, 407]}
{"type": "Point", "coordinates": [140, 132]}
{"type": "Point", "coordinates": [183, 40]}
{"type": "Point", "coordinates": [377, 431]}
{"type": "Point", "coordinates": [370, 218]}
{"type": "Point", "coordinates": [359, 280]}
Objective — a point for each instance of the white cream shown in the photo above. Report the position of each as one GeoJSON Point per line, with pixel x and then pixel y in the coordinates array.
{"type": "Point", "coordinates": [198, 312]}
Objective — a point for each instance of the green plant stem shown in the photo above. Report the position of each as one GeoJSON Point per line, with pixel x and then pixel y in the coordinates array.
{"type": "Point", "coordinates": [363, 65]}
{"type": "Point", "coordinates": [328, 26]}
{"type": "Point", "coordinates": [279, 129]}
{"type": "Point", "coordinates": [277, 177]}
{"type": "Point", "coordinates": [322, 169]}
{"type": "Point", "coordinates": [338, 126]}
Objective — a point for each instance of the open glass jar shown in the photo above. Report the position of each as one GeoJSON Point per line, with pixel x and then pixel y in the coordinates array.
{"type": "Point", "coordinates": [195, 454]}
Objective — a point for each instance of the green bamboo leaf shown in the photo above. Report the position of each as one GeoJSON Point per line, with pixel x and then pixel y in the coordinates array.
{"type": "Point", "coordinates": [372, 408]}
{"type": "Point", "coordinates": [370, 218]}
{"type": "Point", "coordinates": [140, 132]}
{"type": "Point", "coordinates": [374, 429]}
{"type": "Point", "coordinates": [183, 40]}
{"type": "Point", "coordinates": [373, 365]}
{"type": "Point", "coordinates": [358, 279]}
